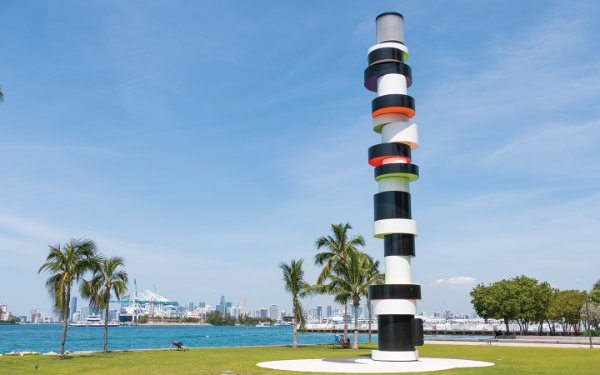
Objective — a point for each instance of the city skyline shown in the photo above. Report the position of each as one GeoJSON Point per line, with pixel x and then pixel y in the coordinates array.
{"type": "Point", "coordinates": [207, 142]}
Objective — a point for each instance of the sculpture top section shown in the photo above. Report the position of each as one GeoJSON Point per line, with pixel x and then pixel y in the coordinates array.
{"type": "Point", "coordinates": [390, 27]}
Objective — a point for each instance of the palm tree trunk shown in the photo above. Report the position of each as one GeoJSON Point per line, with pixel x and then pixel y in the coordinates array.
{"type": "Point", "coordinates": [295, 342]}
{"type": "Point", "coordinates": [346, 319]}
{"type": "Point", "coordinates": [295, 322]}
{"type": "Point", "coordinates": [355, 344]}
{"type": "Point", "coordinates": [65, 322]}
{"type": "Point", "coordinates": [106, 327]}
{"type": "Point", "coordinates": [369, 308]}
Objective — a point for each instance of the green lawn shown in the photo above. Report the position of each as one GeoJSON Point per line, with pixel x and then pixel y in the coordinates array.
{"type": "Point", "coordinates": [230, 361]}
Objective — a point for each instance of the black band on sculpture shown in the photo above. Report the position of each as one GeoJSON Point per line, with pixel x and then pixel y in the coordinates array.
{"type": "Point", "coordinates": [399, 244]}
{"type": "Point", "coordinates": [389, 149]}
{"type": "Point", "coordinates": [392, 100]}
{"type": "Point", "coordinates": [395, 333]}
{"type": "Point", "coordinates": [389, 14]}
{"type": "Point", "coordinates": [373, 72]}
{"type": "Point", "coordinates": [396, 169]}
{"type": "Point", "coordinates": [416, 330]}
{"type": "Point", "coordinates": [386, 54]}
{"type": "Point", "coordinates": [392, 205]}
{"type": "Point", "coordinates": [395, 291]}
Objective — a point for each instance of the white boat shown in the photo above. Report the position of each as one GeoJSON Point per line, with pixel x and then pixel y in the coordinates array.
{"type": "Point", "coordinates": [263, 324]}
{"type": "Point", "coordinates": [93, 321]}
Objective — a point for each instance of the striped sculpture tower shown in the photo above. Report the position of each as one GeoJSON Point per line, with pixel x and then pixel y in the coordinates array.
{"type": "Point", "coordinates": [395, 301]}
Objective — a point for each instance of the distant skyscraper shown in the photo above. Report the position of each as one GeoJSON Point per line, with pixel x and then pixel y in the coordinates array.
{"type": "Point", "coordinates": [319, 312]}
{"type": "Point", "coordinates": [242, 305]}
{"type": "Point", "coordinates": [33, 314]}
{"type": "Point", "coordinates": [329, 311]}
{"type": "Point", "coordinates": [274, 312]}
{"type": "Point", "coordinates": [201, 304]}
{"type": "Point", "coordinates": [222, 306]}
{"type": "Point", "coordinates": [4, 315]}
{"type": "Point", "coordinates": [73, 307]}
{"type": "Point", "coordinates": [264, 312]}
{"type": "Point", "coordinates": [228, 306]}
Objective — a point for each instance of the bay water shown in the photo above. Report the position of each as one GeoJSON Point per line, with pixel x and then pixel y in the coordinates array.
{"type": "Point", "coordinates": [46, 337]}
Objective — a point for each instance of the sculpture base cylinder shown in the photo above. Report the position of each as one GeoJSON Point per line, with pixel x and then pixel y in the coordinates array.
{"type": "Point", "coordinates": [379, 355]}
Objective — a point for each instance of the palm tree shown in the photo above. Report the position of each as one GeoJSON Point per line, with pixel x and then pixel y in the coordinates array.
{"type": "Point", "coordinates": [336, 247]}
{"type": "Point", "coordinates": [374, 277]}
{"type": "Point", "coordinates": [108, 276]}
{"type": "Point", "coordinates": [349, 281]}
{"type": "Point", "coordinates": [66, 265]}
{"type": "Point", "coordinates": [293, 278]}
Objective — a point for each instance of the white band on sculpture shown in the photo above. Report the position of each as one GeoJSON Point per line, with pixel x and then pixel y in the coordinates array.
{"type": "Point", "coordinates": [389, 84]}
{"type": "Point", "coordinates": [397, 45]}
{"type": "Point", "coordinates": [391, 226]}
{"type": "Point", "coordinates": [397, 269]}
{"type": "Point", "coordinates": [401, 132]}
{"type": "Point", "coordinates": [394, 306]}
{"type": "Point", "coordinates": [394, 184]}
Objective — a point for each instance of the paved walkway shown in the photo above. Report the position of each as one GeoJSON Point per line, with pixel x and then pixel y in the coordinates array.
{"type": "Point", "coordinates": [533, 341]}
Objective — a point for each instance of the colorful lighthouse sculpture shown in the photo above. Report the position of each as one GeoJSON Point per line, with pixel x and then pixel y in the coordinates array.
{"type": "Point", "coordinates": [395, 301]}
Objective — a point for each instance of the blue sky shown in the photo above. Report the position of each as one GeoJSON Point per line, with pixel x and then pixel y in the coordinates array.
{"type": "Point", "coordinates": [205, 142]}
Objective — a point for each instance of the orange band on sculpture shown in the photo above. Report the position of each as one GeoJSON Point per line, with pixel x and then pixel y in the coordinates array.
{"type": "Point", "coordinates": [403, 110]}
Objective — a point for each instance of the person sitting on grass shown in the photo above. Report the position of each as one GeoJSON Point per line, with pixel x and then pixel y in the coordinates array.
{"type": "Point", "coordinates": [179, 346]}
{"type": "Point", "coordinates": [346, 342]}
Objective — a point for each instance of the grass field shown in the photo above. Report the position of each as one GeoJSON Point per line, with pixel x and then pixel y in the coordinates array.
{"type": "Point", "coordinates": [230, 361]}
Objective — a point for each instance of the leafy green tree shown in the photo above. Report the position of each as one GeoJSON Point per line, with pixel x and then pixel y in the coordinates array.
{"type": "Point", "coordinates": [66, 265]}
{"type": "Point", "coordinates": [595, 293]}
{"type": "Point", "coordinates": [544, 295]}
{"type": "Point", "coordinates": [293, 278]}
{"type": "Point", "coordinates": [590, 314]}
{"type": "Point", "coordinates": [335, 249]}
{"type": "Point", "coordinates": [565, 308]}
{"type": "Point", "coordinates": [532, 299]}
{"type": "Point", "coordinates": [108, 276]}
{"type": "Point", "coordinates": [496, 301]}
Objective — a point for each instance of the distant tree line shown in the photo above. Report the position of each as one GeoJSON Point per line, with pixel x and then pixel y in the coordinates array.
{"type": "Point", "coordinates": [525, 300]}
{"type": "Point", "coordinates": [11, 319]}
{"type": "Point", "coordinates": [217, 319]}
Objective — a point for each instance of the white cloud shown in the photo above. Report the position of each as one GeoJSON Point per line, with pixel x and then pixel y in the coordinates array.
{"type": "Point", "coordinates": [456, 280]}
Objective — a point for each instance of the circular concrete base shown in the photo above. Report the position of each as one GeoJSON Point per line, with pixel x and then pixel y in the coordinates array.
{"type": "Point", "coordinates": [367, 365]}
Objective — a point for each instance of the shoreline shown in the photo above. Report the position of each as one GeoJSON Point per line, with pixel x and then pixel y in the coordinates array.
{"type": "Point", "coordinates": [539, 342]}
